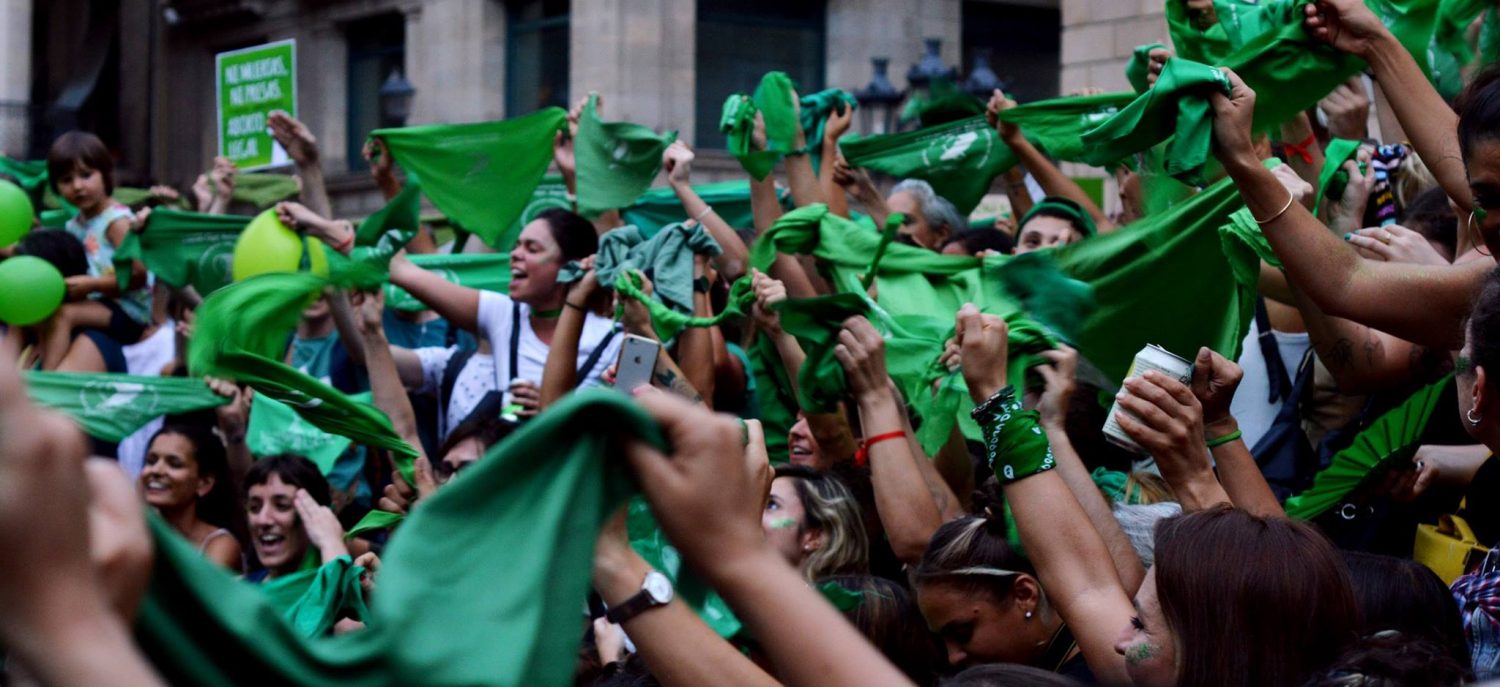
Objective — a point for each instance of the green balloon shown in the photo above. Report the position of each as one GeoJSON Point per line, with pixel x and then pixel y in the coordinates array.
{"type": "Point", "coordinates": [15, 213]}
{"type": "Point", "coordinates": [267, 245]}
{"type": "Point", "coordinates": [33, 290]}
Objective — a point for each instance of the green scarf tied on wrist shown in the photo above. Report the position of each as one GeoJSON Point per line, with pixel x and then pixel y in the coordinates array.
{"type": "Point", "coordinates": [480, 175]}
{"type": "Point", "coordinates": [183, 249]}
{"type": "Point", "coordinates": [1013, 438]}
{"type": "Point", "coordinates": [110, 407]}
{"type": "Point", "coordinates": [616, 161]}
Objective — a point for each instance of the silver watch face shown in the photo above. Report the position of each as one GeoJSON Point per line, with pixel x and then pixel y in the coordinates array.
{"type": "Point", "coordinates": [658, 587]}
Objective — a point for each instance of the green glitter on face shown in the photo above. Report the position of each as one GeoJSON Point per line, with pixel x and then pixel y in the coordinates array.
{"type": "Point", "coordinates": [1139, 654]}
{"type": "Point", "coordinates": [783, 523]}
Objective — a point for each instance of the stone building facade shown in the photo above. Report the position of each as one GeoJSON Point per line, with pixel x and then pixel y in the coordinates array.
{"type": "Point", "coordinates": [140, 72]}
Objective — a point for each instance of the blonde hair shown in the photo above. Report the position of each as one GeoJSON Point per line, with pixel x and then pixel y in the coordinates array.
{"type": "Point", "coordinates": [829, 506]}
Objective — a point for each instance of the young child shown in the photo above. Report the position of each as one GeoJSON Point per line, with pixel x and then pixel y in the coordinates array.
{"type": "Point", "coordinates": [80, 169]}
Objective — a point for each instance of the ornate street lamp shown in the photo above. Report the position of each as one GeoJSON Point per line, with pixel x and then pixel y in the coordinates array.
{"type": "Point", "coordinates": [395, 100]}
{"type": "Point", "coordinates": [878, 100]}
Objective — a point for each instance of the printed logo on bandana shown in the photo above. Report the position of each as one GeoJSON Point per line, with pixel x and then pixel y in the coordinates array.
{"type": "Point", "coordinates": [959, 149]}
{"type": "Point", "coordinates": [216, 264]}
{"type": "Point", "coordinates": [1100, 116]}
{"type": "Point", "coordinates": [112, 398]}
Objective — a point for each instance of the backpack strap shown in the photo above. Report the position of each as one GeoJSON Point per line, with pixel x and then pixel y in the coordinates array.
{"type": "Point", "coordinates": [515, 343]}
{"type": "Point", "coordinates": [1276, 374]}
{"type": "Point", "coordinates": [593, 358]}
{"type": "Point", "coordinates": [455, 365]}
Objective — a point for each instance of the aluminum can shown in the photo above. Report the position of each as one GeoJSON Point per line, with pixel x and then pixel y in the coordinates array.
{"type": "Point", "coordinates": [1152, 357]}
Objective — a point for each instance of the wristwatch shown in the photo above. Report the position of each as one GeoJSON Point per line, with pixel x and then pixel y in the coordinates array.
{"type": "Point", "coordinates": [655, 591]}
{"type": "Point", "coordinates": [701, 285]}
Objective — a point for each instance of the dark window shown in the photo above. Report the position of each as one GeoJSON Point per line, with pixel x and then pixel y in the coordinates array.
{"type": "Point", "coordinates": [740, 40]}
{"type": "Point", "coordinates": [1024, 44]}
{"type": "Point", "coordinates": [377, 48]}
{"type": "Point", "coordinates": [536, 56]}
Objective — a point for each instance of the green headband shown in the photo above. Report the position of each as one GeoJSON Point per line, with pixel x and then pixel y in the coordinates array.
{"type": "Point", "coordinates": [1065, 206]}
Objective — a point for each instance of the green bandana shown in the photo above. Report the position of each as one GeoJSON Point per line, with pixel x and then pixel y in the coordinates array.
{"type": "Point", "coordinates": [480, 175]}
{"type": "Point", "coordinates": [816, 109]}
{"type": "Point", "coordinates": [529, 508]}
{"type": "Point", "coordinates": [1013, 438]}
{"type": "Point", "coordinates": [1065, 206]}
{"type": "Point", "coordinates": [667, 257]}
{"type": "Point", "coordinates": [959, 159]}
{"type": "Point", "coordinates": [401, 213]}
{"type": "Point", "coordinates": [1057, 125]}
{"type": "Point", "coordinates": [1138, 70]}
{"type": "Point", "coordinates": [183, 249]}
{"type": "Point", "coordinates": [264, 189]}
{"type": "Point", "coordinates": [1333, 179]}
{"type": "Point", "coordinates": [660, 207]}
{"type": "Point", "coordinates": [276, 428]}
{"type": "Point", "coordinates": [30, 175]}
{"type": "Point", "coordinates": [1412, 22]}
{"type": "Point", "coordinates": [616, 161]}
{"type": "Point", "coordinates": [1177, 107]}
{"type": "Point", "coordinates": [944, 102]}
{"type": "Point", "coordinates": [773, 100]}
{"type": "Point", "coordinates": [313, 600]}
{"type": "Point", "coordinates": [483, 271]}
{"type": "Point", "coordinates": [111, 407]}
{"type": "Point", "coordinates": [1238, 22]}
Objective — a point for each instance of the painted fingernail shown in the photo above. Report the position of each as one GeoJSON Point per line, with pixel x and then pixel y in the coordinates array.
{"type": "Point", "coordinates": [1348, 236]}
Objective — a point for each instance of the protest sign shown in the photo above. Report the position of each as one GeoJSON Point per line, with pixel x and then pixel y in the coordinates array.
{"type": "Point", "coordinates": [251, 83]}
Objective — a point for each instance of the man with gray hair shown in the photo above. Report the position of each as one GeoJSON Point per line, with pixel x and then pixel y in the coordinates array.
{"type": "Point", "coordinates": [930, 218]}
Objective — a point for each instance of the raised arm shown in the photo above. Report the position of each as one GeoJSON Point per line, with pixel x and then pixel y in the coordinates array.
{"type": "Point", "coordinates": [300, 144]}
{"type": "Point", "coordinates": [233, 420]}
{"type": "Point", "coordinates": [799, 172]}
{"type": "Point", "coordinates": [1420, 303]}
{"type": "Point", "coordinates": [1047, 175]}
{"type": "Point", "coordinates": [833, 193]}
{"type": "Point", "coordinates": [1071, 559]}
{"type": "Point", "coordinates": [695, 345]}
{"type": "Point", "coordinates": [1057, 395]}
{"type": "Point", "coordinates": [708, 500]}
{"type": "Point", "coordinates": [1430, 123]}
{"type": "Point", "coordinates": [677, 161]}
{"type": "Point", "coordinates": [385, 380]}
{"type": "Point", "coordinates": [906, 507]}
{"type": "Point", "coordinates": [559, 375]}
{"type": "Point", "coordinates": [458, 304]}
{"type": "Point", "coordinates": [1214, 380]}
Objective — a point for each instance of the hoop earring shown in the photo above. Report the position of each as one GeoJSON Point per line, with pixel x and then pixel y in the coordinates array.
{"type": "Point", "coordinates": [1477, 234]}
{"type": "Point", "coordinates": [1473, 420]}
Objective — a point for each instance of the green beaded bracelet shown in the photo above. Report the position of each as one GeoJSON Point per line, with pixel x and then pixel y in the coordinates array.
{"type": "Point", "coordinates": [1232, 436]}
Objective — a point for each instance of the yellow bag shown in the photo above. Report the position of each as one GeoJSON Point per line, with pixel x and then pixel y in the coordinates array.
{"type": "Point", "coordinates": [1449, 548]}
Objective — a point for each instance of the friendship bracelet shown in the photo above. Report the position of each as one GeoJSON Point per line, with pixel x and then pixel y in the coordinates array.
{"type": "Point", "coordinates": [862, 456]}
{"type": "Point", "coordinates": [1302, 150]}
{"type": "Point", "coordinates": [1290, 198]}
{"type": "Point", "coordinates": [1232, 436]}
{"type": "Point", "coordinates": [574, 306]}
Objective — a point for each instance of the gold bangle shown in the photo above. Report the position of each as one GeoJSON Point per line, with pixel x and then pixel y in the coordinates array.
{"type": "Point", "coordinates": [1290, 198]}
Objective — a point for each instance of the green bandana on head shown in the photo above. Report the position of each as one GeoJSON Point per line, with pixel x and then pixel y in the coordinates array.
{"type": "Point", "coordinates": [1065, 206]}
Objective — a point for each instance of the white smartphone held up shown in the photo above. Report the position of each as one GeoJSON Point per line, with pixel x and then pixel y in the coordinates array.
{"type": "Point", "coordinates": [637, 362]}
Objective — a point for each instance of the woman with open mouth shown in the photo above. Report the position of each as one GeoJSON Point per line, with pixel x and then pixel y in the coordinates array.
{"type": "Point", "coordinates": [185, 477]}
{"type": "Point", "coordinates": [291, 526]}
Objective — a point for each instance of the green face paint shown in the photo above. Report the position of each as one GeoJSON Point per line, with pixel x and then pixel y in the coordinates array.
{"type": "Point", "coordinates": [783, 523]}
{"type": "Point", "coordinates": [1463, 365]}
{"type": "Point", "coordinates": [1139, 654]}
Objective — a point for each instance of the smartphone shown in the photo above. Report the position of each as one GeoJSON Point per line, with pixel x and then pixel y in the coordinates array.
{"type": "Point", "coordinates": [637, 362]}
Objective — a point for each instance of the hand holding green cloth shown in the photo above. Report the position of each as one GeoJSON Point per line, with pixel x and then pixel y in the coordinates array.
{"type": "Point", "coordinates": [1057, 125]}
{"type": "Point", "coordinates": [1333, 179]}
{"type": "Point", "coordinates": [960, 159]}
{"type": "Point", "coordinates": [111, 407]}
{"type": "Point", "coordinates": [484, 271]}
{"type": "Point", "coordinates": [482, 585]}
{"type": "Point", "coordinates": [264, 189]}
{"type": "Point", "coordinates": [312, 601]}
{"type": "Point", "coordinates": [815, 110]}
{"type": "Point", "coordinates": [616, 161]}
{"type": "Point", "coordinates": [659, 207]}
{"type": "Point", "coordinates": [183, 249]}
{"type": "Point", "coordinates": [666, 258]}
{"type": "Point", "coordinates": [816, 323]}
{"type": "Point", "coordinates": [1177, 107]}
{"type": "Point", "coordinates": [402, 212]}
{"type": "Point", "coordinates": [647, 539]}
{"type": "Point", "coordinates": [276, 428]}
{"type": "Point", "coordinates": [1138, 69]}
{"type": "Point", "coordinates": [773, 101]}
{"type": "Point", "coordinates": [480, 175]}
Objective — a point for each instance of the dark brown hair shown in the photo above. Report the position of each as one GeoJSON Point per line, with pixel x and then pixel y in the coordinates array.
{"type": "Point", "coordinates": [972, 555]}
{"type": "Point", "coordinates": [1484, 327]}
{"type": "Point", "coordinates": [79, 148]}
{"type": "Point", "coordinates": [889, 618]}
{"type": "Point", "coordinates": [1251, 600]}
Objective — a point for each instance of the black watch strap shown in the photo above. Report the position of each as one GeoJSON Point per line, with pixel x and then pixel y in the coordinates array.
{"type": "Point", "coordinates": [701, 285]}
{"type": "Point", "coordinates": [634, 606]}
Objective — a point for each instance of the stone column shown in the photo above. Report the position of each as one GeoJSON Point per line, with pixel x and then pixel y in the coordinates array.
{"type": "Point", "coordinates": [640, 56]}
{"type": "Point", "coordinates": [1099, 37]}
{"type": "Point", "coordinates": [455, 57]}
{"type": "Point", "coordinates": [15, 76]}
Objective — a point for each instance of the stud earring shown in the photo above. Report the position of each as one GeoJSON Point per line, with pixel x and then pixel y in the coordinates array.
{"type": "Point", "coordinates": [1028, 615]}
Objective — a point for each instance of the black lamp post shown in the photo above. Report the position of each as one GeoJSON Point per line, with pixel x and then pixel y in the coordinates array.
{"type": "Point", "coordinates": [982, 80]}
{"type": "Point", "coordinates": [878, 100]}
{"type": "Point", "coordinates": [395, 100]}
{"type": "Point", "coordinates": [930, 68]}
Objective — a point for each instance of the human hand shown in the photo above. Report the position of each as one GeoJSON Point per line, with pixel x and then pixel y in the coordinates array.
{"type": "Point", "coordinates": [861, 351]}
{"type": "Point", "coordinates": [1395, 243]}
{"type": "Point", "coordinates": [1348, 110]}
{"type": "Point", "coordinates": [609, 641]}
{"type": "Point", "coordinates": [378, 156]}
{"type": "Point", "coordinates": [295, 138]}
{"type": "Point", "coordinates": [322, 527]}
{"type": "Point", "coordinates": [1302, 192]}
{"type": "Point", "coordinates": [525, 393]}
{"type": "Point", "coordinates": [1347, 212]}
{"type": "Point", "coordinates": [703, 493]}
{"type": "Point", "coordinates": [1348, 25]}
{"type": "Point", "coordinates": [371, 563]}
{"type": "Point", "coordinates": [768, 292]}
{"type": "Point", "coordinates": [79, 287]}
{"type": "Point", "coordinates": [399, 496]}
{"type": "Point", "coordinates": [581, 290]}
{"type": "Point", "coordinates": [983, 351]}
{"type": "Point", "coordinates": [371, 307]}
{"type": "Point", "coordinates": [1156, 60]}
{"type": "Point", "coordinates": [1233, 116]}
{"type": "Point", "coordinates": [299, 217]}
{"type": "Point", "coordinates": [1215, 379]}
{"type": "Point", "coordinates": [233, 416]}
{"type": "Point", "coordinates": [838, 123]}
{"type": "Point", "coordinates": [1060, 376]}
{"type": "Point", "coordinates": [949, 358]}
{"type": "Point", "coordinates": [634, 316]}
{"type": "Point", "coordinates": [1202, 13]}
{"type": "Point", "coordinates": [222, 176]}
{"type": "Point", "coordinates": [999, 103]}
{"type": "Point", "coordinates": [1165, 418]}
{"type": "Point", "coordinates": [119, 543]}
{"type": "Point", "coordinates": [758, 138]}
{"type": "Point", "coordinates": [677, 161]}
{"type": "Point", "coordinates": [163, 194]}
{"type": "Point", "coordinates": [139, 219]}
{"type": "Point", "coordinates": [203, 194]}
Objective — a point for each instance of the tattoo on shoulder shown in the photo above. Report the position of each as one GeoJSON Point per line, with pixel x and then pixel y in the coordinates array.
{"type": "Point", "coordinates": [1339, 354]}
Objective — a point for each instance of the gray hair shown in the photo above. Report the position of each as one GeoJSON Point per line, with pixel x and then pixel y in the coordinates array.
{"type": "Point", "coordinates": [938, 210]}
{"type": "Point", "coordinates": [1139, 522]}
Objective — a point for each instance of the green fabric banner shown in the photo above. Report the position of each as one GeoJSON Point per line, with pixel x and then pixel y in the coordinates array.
{"type": "Point", "coordinates": [183, 249]}
{"type": "Point", "coordinates": [312, 601]}
{"type": "Point", "coordinates": [666, 258]}
{"type": "Point", "coordinates": [1176, 107]}
{"type": "Point", "coordinates": [111, 407]}
{"type": "Point", "coordinates": [480, 586]}
{"type": "Point", "coordinates": [485, 271]}
{"type": "Point", "coordinates": [276, 428]}
{"type": "Point", "coordinates": [660, 207]}
{"type": "Point", "coordinates": [1198, 38]}
{"type": "Point", "coordinates": [263, 189]}
{"type": "Point", "coordinates": [773, 100]}
{"type": "Point", "coordinates": [616, 161]}
{"type": "Point", "coordinates": [480, 175]}
{"type": "Point", "coordinates": [401, 213]}
{"type": "Point", "coordinates": [944, 102]}
{"type": "Point", "coordinates": [959, 159]}
{"type": "Point", "coordinates": [1057, 125]}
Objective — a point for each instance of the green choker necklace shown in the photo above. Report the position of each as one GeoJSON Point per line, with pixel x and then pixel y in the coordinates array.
{"type": "Point", "coordinates": [547, 314]}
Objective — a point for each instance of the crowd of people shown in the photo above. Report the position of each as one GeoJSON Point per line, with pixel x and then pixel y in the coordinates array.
{"type": "Point", "coordinates": [808, 472]}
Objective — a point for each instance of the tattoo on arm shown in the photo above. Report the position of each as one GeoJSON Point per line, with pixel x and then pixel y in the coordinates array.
{"type": "Point", "coordinates": [670, 381]}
